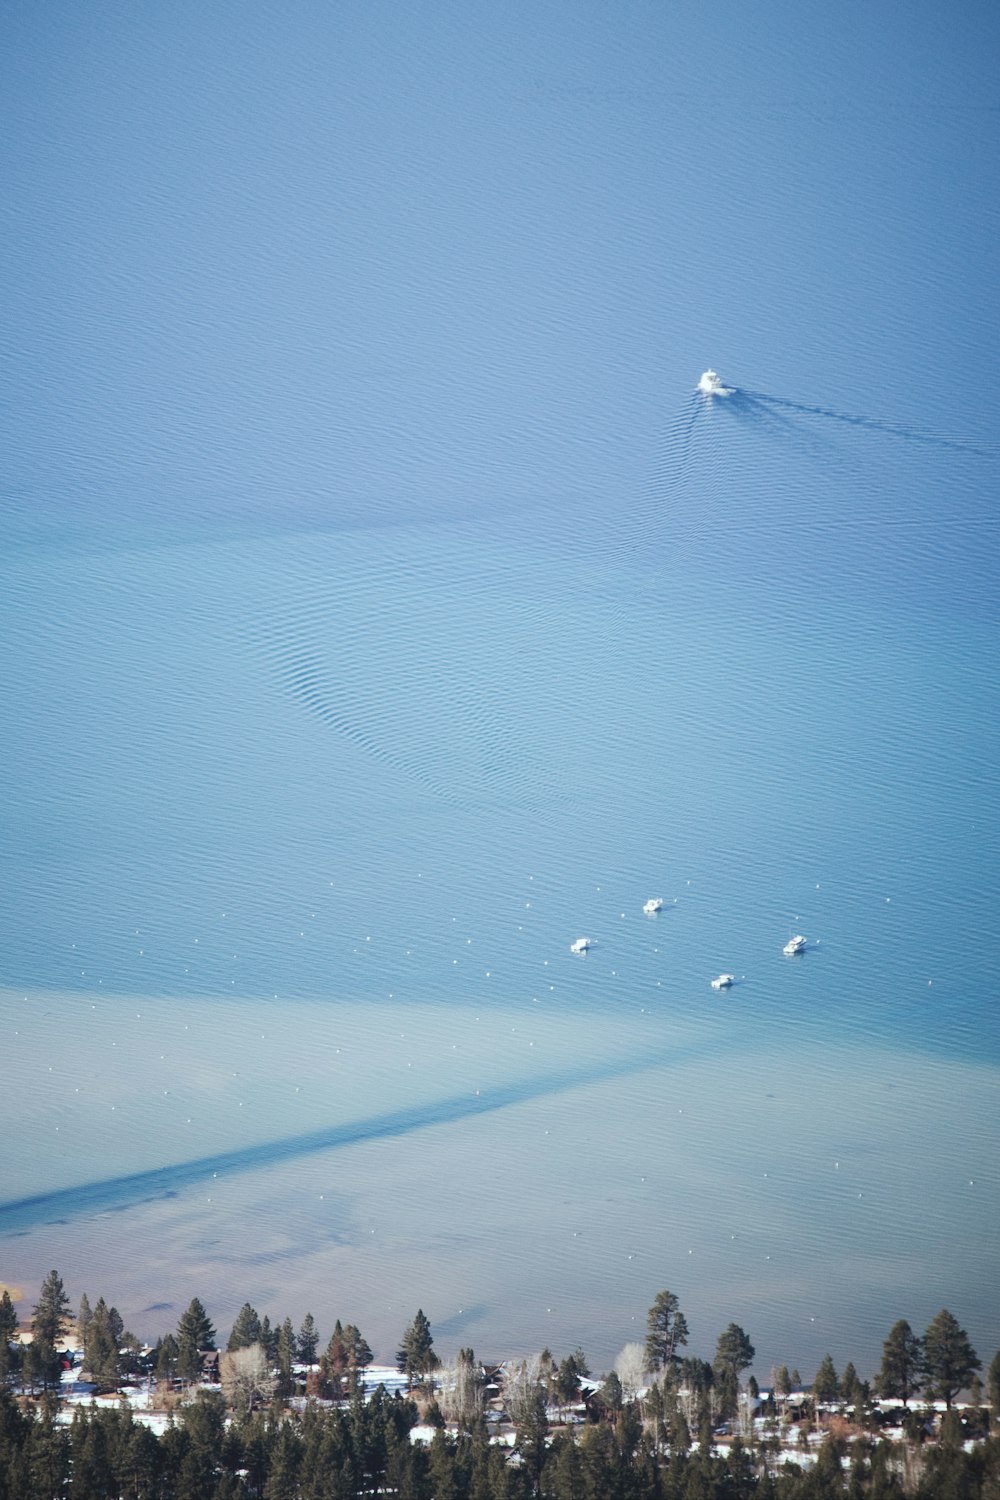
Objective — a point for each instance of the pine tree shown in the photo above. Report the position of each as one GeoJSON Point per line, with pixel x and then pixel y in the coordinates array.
{"type": "Point", "coordinates": [733, 1350]}
{"type": "Point", "coordinates": [783, 1383]}
{"type": "Point", "coordinates": [612, 1395]}
{"type": "Point", "coordinates": [256, 1437]}
{"type": "Point", "coordinates": [567, 1469]}
{"type": "Point", "coordinates": [546, 1371]}
{"type": "Point", "coordinates": [15, 1434]}
{"type": "Point", "coordinates": [286, 1459]}
{"type": "Point", "coordinates": [194, 1334]}
{"type": "Point", "coordinates": [90, 1462]}
{"type": "Point", "coordinates": [441, 1468]}
{"type": "Point", "coordinates": [245, 1330]}
{"type": "Point", "coordinates": [83, 1318]}
{"type": "Point", "coordinates": [902, 1363]}
{"type": "Point", "coordinates": [8, 1328]}
{"type": "Point", "coordinates": [993, 1386]}
{"type": "Point", "coordinates": [31, 1365]}
{"type": "Point", "coordinates": [101, 1345]}
{"type": "Point", "coordinates": [335, 1361]}
{"type": "Point", "coordinates": [949, 1358]}
{"type": "Point", "coordinates": [358, 1355]}
{"type": "Point", "coordinates": [826, 1386]}
{"type": "Point", "coordinates": [597, 1453]}
{"type": "Point", "coordinates": [567, 1381]}
{"type": "Point", "coordinates": [827, 1479]}
{"type": "Point", "coordinates": [308, 1340]}
{"type": "Point", "coordinates": [483, 1455]}
{"type": "Point", "coordinates": [286, 1358]}
{"type": "Point", "coordinates": [733, 1354]}
{"type": "Point", "coordinates": [8, 1316]}
{"type": "Point", "coordinates": [166, 1357]}
{"type": "Point", "coordinates": [141, 1462]}
{"type": "Point", "coordinates": [415, 1357]}
{"type": "Point", "coordinates": [852, 1392]}
{"type": "Point", "coordinates": [50, 1318]}
{"type": "Point", "coordinates": [48, 1454]}
{"type": "Point", "coordinates": [666, 1332]}
{"type": "Point", "coordinates": [204, 1421]}
{"type": "Point", "coordinates": [531, 1440]}
{"type": "Point", "coordinates": [50, 1321]}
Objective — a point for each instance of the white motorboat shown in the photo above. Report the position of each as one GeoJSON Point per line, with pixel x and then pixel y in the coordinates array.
{"type": "Point", "coordinates": [794, 945]}
{"type": "Point", "coordinates": [723, 982]}
{"type": "Point", "coordinates": [581, 945]}
{"type": "Point", "coordinates": [711, 385]}
{"type": "Point", "coordinates": [653, 905]}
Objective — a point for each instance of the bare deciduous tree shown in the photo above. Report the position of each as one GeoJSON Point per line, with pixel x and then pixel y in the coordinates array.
{"type": "Point", "coordinates": [246, 1377]}
{"type": "Point", "coordinates": [746, 1408]}
{"type": "Point", "coordinates": [522, 1387]}
{"type": "Point", "coordinates": [461, 1390]}
{"type": "Point", "coordinates": [631, 1369]}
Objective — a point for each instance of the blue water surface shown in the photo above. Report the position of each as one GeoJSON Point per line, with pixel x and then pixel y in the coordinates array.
{"type": "Point", "coordinates": [384, 609]}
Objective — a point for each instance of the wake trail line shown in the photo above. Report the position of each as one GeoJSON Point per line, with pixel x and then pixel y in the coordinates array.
{"type": "Point", "coordinates": [873, 424]}
{"type": "Point", "coordinates": [113, 1194]}
{"type": "Point", "coordinates": [670, 465]}
{"type": "Point", "coordinates": [676, 446]}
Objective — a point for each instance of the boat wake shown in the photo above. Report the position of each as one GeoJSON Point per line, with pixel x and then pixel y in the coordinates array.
{"type": "Point", "coordinates": [676, 445]}
{"type": "Point", "coordinates": [698, 473]}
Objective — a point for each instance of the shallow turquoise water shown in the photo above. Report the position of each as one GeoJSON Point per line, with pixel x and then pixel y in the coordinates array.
{"type": "Point", "coordinates": [384, 611]}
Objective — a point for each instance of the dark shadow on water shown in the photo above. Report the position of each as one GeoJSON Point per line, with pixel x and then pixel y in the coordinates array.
{"type": "Point", "coordinates": [112, 1194]}
{"type": "Point", "coordinates": [761, 400]}
{"type": "Point", "coordinates": [451, 1327]}
{"type": "Point", "coordinates": [757, 411]}
{"type": "Point", "coordinates": [750, 408]}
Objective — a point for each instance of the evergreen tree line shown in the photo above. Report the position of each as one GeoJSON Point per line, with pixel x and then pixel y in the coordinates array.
{"type": "Point", "coordinates": [110, 1353]}
{"type": "Point", "coordinates": [650, 1430]}
{"type": "Point", "coordinates": [938, 1365]}
{"type": "Point", "coordinates": [364, 1449]}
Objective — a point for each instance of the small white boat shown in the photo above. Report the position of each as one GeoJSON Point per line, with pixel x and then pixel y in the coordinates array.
{"type": "Point", "coordinates": [581, 945]}
{"type": "Point", "coordinates": [653, 905]}
{"type": "Point", "coordinates": [794, 945]}
{"type": "Point", "coordinates": [711, 385]}
{"type": "Point", "coordinates": [723, 982]}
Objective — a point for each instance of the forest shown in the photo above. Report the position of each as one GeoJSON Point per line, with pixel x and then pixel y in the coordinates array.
{"type": "Point", "coordinates": [88, 1412]}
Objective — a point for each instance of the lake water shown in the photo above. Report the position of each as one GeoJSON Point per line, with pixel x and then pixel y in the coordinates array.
{"type": "Point", "coordinates": [383, 611]}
